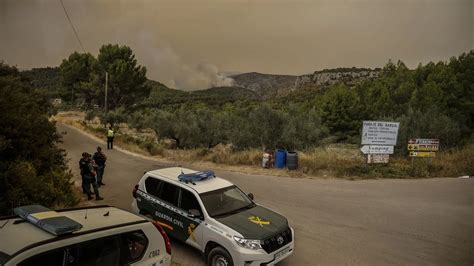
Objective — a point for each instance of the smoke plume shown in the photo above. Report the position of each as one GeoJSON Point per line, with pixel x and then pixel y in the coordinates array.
{"type": "Point", "coordinates": [164, 64]}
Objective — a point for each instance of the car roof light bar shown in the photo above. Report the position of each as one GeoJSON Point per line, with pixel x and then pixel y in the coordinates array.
{"type": "Point", "coordinates": [47, 219]}
{"type": "Point", "coordinates": [197, 176]}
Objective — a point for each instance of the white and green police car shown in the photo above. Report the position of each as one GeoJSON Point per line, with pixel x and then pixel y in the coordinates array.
{"type": "Point", "coordinates": [93, 235]}
{"type": "Point", "coordinates": [214, 216]}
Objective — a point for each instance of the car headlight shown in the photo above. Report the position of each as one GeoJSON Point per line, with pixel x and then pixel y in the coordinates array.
{"type": "Point", "coordinates": [248, 243]}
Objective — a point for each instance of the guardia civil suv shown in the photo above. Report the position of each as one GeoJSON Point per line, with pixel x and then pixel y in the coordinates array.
{"type": "Point", "coordinates": [214, 216]}
{"type": "Point", "coordinates": [95, 235]}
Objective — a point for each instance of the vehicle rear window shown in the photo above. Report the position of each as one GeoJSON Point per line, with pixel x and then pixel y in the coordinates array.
{"type": "Point", "coordinates": [133, 246]}
{"type": "Point", "coordinates": [100, 251]}
{"type": "Point", "coordinates": [152, 186]}
{"type": "Point", "coordinates": [120, 249]}
{"type": "Point", "coordinates": [52, 257]}
{"type": "Point", "coordinates": [169, 193]}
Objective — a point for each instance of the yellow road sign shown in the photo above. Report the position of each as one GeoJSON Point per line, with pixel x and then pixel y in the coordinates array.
{"type": "Point", "coordinates": [423, 147]}
{"type": "Point", "coordinates": [422, 154]}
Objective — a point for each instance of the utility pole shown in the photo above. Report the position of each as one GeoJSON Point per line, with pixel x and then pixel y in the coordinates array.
{"type": "Point", "coordinates": [106, 83]}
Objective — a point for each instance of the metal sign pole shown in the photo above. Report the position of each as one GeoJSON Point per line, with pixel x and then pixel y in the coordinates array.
{"type": "Point", "coordinates": [106, 83]}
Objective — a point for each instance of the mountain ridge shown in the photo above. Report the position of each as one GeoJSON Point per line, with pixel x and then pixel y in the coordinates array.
{"type": "Point", "coordinates": [273, 85]}
{"type": "Point", "coordinates": [247, 86]}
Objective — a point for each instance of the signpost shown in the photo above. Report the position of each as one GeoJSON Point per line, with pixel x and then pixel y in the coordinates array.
{"type": "Point", "coordinates": [423, 141]}
{"type": "Point", "coordinates": [423, 147]}
{"type": "Point", "coordinates": [380, 133]}
{"type": "Point", "coordinates": [376, 149]}
{"type": "Point", "coordinates": [378, 140]}
{"type": "Point", "coordinates": [422, 154]}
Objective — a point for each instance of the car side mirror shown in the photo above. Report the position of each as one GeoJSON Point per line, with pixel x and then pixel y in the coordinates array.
{"type": "Point", "coordinates": [194, 213]}
{"type": "Point", "coordinates": [250, 196]}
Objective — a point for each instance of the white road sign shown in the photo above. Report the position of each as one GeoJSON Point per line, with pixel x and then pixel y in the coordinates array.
{"type": "Point", "coordinates": [380, 133]}
{"type": "Point", "coordinates": [376, 149]}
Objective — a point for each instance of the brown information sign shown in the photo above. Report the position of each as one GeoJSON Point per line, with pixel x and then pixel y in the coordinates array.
{"type": "Point", "coordinates": [423, 147]}
{"type": "Point", "coordinates": [426, 148]}
{"type": "Point", "coordinates": [422, 154]}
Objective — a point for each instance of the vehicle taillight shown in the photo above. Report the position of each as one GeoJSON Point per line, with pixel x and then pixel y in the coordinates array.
{"type": "Point", "coordinates": [165, 236]}
{"type": "Point", "coordinates": [134, 193]}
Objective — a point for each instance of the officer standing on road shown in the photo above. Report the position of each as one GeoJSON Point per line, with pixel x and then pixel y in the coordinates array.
{"type": "Point", "coordinates": [82, 165]}
{"type": "Point", "coordinates": [99, 159]}
{"type": "Point", "coordinates": [110, 138]}
{"type": "Point", "coordinates": [87, 170]}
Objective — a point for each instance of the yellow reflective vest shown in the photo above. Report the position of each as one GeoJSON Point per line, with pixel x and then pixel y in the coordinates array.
{"type": "Point", "coordinates": [110, 133]}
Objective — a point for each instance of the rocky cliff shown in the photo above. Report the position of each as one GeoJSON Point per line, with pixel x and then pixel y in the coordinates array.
{"type": "Point", "coordinates": [269, 85]}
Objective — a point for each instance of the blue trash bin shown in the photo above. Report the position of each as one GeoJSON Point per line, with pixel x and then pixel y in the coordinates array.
{"type": "Point", "coordinates": [280, 158]}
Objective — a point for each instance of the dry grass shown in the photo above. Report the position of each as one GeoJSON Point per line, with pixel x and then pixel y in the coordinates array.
{"type": "Point", "coordinates": [335, 160]}
{"type": "Point", "coordinates": [456, 162]}
{"type": "Point", "coordinates": [329, 159]}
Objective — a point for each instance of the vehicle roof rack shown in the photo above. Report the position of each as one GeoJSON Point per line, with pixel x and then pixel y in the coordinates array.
{"type": "Point", "coordinates": [197, 176]}
{"type": "Point", "coordinates": [47, 219]}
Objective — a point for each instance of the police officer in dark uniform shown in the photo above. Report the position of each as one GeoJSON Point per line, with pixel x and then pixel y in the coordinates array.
{"type": "Point", "coordinates": [89, 176]}
{"type": "Point", "coordinates": [99, 159]}
{"type": "Point", "coordinates": [82, 164]}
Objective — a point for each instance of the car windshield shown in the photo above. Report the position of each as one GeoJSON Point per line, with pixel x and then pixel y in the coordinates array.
{"type": "Point", "coordinates": [226, 201]}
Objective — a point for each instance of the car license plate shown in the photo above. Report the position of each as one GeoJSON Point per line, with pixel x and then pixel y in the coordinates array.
{"type": "Point", "coordinates": [282, 253]}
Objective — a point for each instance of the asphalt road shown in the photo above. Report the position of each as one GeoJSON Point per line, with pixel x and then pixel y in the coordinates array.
{"type": "Point", "coordinates": [337, 222]}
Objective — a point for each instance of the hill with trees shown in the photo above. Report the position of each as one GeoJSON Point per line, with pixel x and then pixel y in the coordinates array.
{"type": "Point", "coordinates": [46, 80]}
{"type": "Point", "coordinates": [434, 100]}
{"type": "Point", "coordinates": [164, 97]}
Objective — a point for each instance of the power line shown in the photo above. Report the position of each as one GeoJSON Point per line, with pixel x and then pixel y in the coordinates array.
{"type": "Point", "coordinates": [72, 26]}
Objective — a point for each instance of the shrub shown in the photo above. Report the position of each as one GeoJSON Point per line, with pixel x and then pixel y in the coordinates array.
{"type": "Point", "coordinates": [151, 147]}
{"type": "Point", "coordinates": [32, 168]}
{"type": "Point", "coordinates": [90, 115]}
{"type": "Point", "coordinates": [114, 117]}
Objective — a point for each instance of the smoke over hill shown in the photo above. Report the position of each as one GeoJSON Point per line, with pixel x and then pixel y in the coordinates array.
{"type": "Point", "coordinates": [173, 71]}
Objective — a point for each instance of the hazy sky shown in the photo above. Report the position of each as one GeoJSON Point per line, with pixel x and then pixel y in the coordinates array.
{"type": "Point", "coordinates": [176, 38]}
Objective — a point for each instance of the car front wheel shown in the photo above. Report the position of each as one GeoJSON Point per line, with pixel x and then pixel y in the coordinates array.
{"type": "Point", "coordinates": [220, 257]}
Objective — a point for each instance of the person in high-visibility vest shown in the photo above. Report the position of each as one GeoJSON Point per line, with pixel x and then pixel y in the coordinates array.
{"type": "Point", "coordinates": [110, 139]}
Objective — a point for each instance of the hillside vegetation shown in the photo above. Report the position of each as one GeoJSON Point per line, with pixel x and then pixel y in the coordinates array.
{"type": "Point", "coordinates": [164, 97]}
{"type": "Point", "coordinates": [431, 101]}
